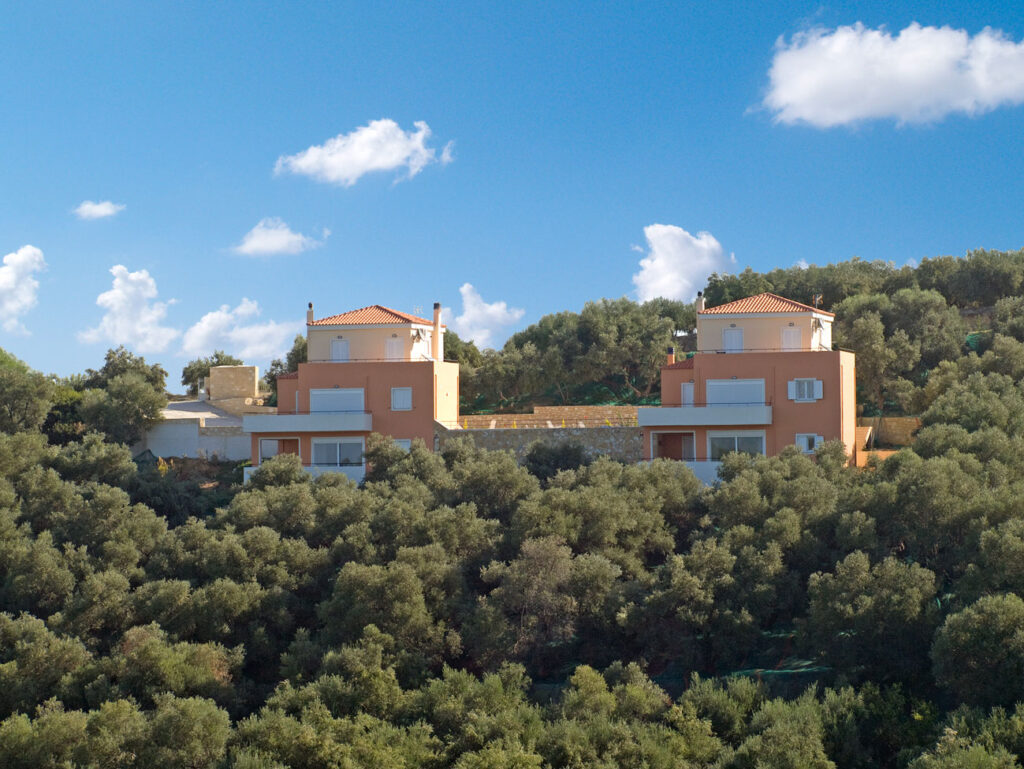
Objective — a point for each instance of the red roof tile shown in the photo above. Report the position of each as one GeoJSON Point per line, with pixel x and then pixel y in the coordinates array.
{"type": "Point", "coordinates": [291, 375]}
{"type": "Point", "coordinates": [765, 302]}
{"type": "Point", "coordinates": [688, 363]}
{"type": "Point", "coordinates": [374, 315]}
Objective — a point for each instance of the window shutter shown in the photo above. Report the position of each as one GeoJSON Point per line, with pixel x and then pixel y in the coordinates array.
{"type": "Point", "coordinates": [791, 387]}
{"type": "Point", "coordinates": [817, 389]}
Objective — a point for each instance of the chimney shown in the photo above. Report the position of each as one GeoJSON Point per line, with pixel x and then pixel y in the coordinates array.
{"type": "Point", "coordinates": [309, 314]}
{"type": "Point", "coordinates": [699, 304]}
{"type": "Point", "coordinates": [436, 341]}
{"type": "Point", "coordinates": [671, 356]}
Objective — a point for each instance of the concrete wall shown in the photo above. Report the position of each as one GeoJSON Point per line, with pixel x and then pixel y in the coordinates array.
{"type": "Point", "coordinates": [619, 443]}
{"type": "Point", "coordinates": [233, 382]}
{"type": "Point", "coordinates": [185, 438]}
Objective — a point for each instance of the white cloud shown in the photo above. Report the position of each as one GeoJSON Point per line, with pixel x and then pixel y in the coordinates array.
{"type": "Point", "coordinates": [803, 264]}
{"type": "Point", "coordinates": [836, 77]}
{"type": "Point", "coordinates": [232, 330]}
{"type": "Point", "coordinates": [480, 321]}
{"type": "Point", "coordinates": [381, 145]}
{"type": "Point", "coordinates": [273, 236]}
{"type": "Point", "coordinates": [131, 318]}
{"type": "Point", "coordinates": [678, 264]}
{"type": "Point", "coordinates": [87, 209]}
{"type": "Point", "coordinates": [17, 286]}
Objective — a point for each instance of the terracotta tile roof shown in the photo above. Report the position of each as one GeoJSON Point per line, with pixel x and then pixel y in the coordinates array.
{"type": "Point", "coordinates": [374, 315]}
{"type": "Point", "coordinates": [688, 363]}
{"type": "Point", "coordinates": [765, 302]}
{"type": "Point", "coordinates": [291, 375]}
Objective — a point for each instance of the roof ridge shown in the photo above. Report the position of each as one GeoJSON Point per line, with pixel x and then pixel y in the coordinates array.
{"type": "Point", "coordinates": [373, 314]}
{"type": "Point", "coordinates": [758, 303]}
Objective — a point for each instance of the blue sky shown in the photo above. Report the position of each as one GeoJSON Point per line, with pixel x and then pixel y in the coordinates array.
{"type": "Point", "coordinates": [270, 154]}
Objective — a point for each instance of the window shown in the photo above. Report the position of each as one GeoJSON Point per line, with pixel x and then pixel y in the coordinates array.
{"type": "Point", "coordinates": [339, 349]}
{"type": "Point", "coordinates": [732, 339]}
{"type": "Point", "coordinates": [808, 442]}
{"type": "Point", "coordinates": [720, 444]}
{"type": "Point", "coordinates": [791, 338]}
{"type": "Point", "coordinates": [805, 389]}
{"type": "Point", "coordinates": [689, 447]}
{"type": "Point", "coordinates": [337, 452]}
{"type": "Point", "coordinates": [337, 399]}
{"type": "Point", "coordinates": [394, 349]}
{"type": "Point", "coordinates": [403, 443]}
{"type": "Point", "coordinates": [735, 392]}
{"type": "Point", "coordinates": [401, 399]}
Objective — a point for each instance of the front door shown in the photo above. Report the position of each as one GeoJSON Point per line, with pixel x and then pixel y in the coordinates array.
{"type": "Point", "coordinates": [686, 394]}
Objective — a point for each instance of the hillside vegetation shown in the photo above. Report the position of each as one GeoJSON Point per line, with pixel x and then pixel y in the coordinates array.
{"type": "Point", "coordinates": [905, 324]}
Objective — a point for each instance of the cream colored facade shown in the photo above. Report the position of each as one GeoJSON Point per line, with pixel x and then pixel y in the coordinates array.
{"type": "Point", "coordinates": [408, 342]}
{"type": "Point", "coordinates": [766, 332]}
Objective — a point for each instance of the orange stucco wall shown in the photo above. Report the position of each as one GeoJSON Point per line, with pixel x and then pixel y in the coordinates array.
{"type": "Point", "coordinates": [833, 416]}
{"type": "Point", "coordinates": [435, 395]}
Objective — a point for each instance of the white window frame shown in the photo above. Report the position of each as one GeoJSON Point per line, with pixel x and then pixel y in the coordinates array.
{"type": "Point", "coordinates": [815, 387]}
{"type": "Point", "coordinates": [394, 348]}
{"type": "Point", "coordinates": [725, 345]}
{"type": "Point", "coordinates": [360, 390]}
{"type": "Point", "coordinates": [399, 391]}
{"type": "Point", "coordinates": [336, 441]}
{"type": "Point", "coordinates": [347, 350]}
{"type": "Point", "coordinates": [802, 441]}
{"type": "Point", "coordinates": [711, 384]}
{"type": "Point", "coordinates": [799, 338]}
{"type": "Point", "coordinates": [737, 434]}
{"type": "Point", "coordinates": [403, 443]}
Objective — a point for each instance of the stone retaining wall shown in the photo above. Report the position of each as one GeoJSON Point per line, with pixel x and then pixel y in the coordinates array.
{"type": "Point", "coordinates": [623, 444]}
{"type": "Point", "coordinates": [892, 431]}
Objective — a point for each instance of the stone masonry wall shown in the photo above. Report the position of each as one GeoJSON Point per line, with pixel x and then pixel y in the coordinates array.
{"type": "Point", "coordinates": [892, 431]}
{"type": "Point", "coordinates": [623, 444]}
{"type": "Point", "coordinates": [554, 417]}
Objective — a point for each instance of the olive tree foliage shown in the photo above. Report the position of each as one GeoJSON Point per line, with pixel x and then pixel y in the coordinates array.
{"type": "Point", "coordinates": [296, 355]}
{"type": "Point", "coordinates": [198, 369]}
{"type": "Point", "coordinates": [124, 409]}
{"type": "Point", "coordinates": [25, 399]}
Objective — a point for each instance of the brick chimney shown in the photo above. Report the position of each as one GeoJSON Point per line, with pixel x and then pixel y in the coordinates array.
{"type": "Point", "coordinates": [309, 314]}
{"type": "Point", "coordinates": [671, 356]}
{"type": "Point", "coordinates": [437, 341]}
{"type": "Point", "coordinates": [699, 304]}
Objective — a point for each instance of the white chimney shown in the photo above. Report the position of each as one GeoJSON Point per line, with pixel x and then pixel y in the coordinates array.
{"type": "Point", "coordinates": [699, 304]}
{"type": "Point", "coordinates": [309, 313]}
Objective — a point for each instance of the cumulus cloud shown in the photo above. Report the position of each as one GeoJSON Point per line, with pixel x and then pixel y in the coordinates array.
{"type": "Point", "coordinates": [480, 321]}
{"type": "Point", "coordinates": [273, 236]}
{"type": "Point", "coordinates": [87, 209]}
{"type": "Point", "coordinates": [234, 330]}
{"type": "Point", "coordinates": [17, 286]}
{"type": "Point", "coordinates": [381, 145]}
{"type": "Point", "coordinates": [677, 264]}
{"type": "Point", "coordinates": [832, 77]}
{"type": "Point", "coordinates": [131, 317]}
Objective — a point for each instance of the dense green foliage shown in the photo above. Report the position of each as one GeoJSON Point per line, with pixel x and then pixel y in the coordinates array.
{"type": "Point", "coordinates": [905, 324]}
{"type": "Point", "coordinates": [296, 355]}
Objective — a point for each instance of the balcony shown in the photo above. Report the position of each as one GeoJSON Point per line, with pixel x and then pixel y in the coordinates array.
{"type": "Point", "coordinates": [706, 415]}
{"type": "Point", "coordinates": [308, 422]}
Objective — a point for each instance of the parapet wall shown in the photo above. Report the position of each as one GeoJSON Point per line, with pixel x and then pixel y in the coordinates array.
{"type": "Point", "coordinates": [233, 382]}
{"type": "Point", "coordinates": [623, 444]}
{"type": "Point", "coordinates": [554, 417]}
{"type": "Point", "coordinates": [892, 431]}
